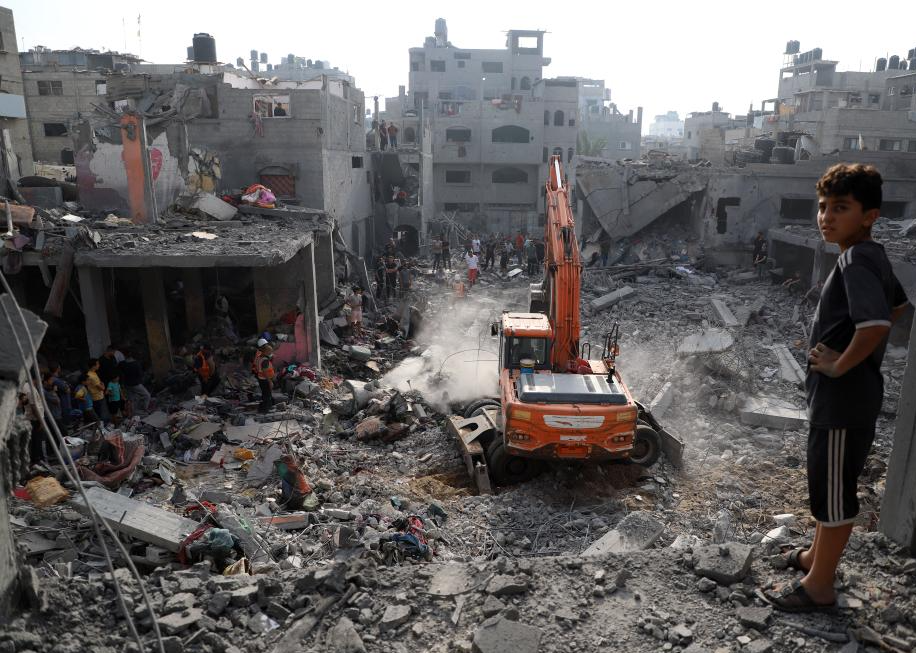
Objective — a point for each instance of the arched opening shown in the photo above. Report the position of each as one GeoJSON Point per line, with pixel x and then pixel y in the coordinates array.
{"type": "Point", "coordinates": [569, 155]}
{"type": "Point", "coordinates": [525, 84]}
{"type": "Point", "coordinates": [511, 134]}
{"type": "Point", "coordinates": [408, 239]}
{"type": "Point", "coordinates": [509, 176]}
{"type": "Point", "coordinates": [410, 135]}
{"type": "Point", "coordinates": [546, 117]}
{"type": "Point", "coordinates": [558, 119]}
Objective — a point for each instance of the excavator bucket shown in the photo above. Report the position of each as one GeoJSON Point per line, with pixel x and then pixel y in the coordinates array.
{"type": "Point", "coordinates": [468, 432]}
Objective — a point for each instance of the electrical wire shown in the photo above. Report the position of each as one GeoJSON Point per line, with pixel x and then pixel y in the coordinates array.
{"type": "Point", "coordinates": [55, 439]}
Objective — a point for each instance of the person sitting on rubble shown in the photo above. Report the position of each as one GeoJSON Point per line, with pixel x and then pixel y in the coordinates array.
{"type": "Point", "coordinates": [792, 281]}
{"type": "Point", "coordinates": [264, 369]}
{"type": "Point", "coordinates": [294, 486]}
{"type": "Point", "coordinates": [205, 368]}
{"type": "Point", "coordinates": [84, 400]}
{"type": "Point", "coordinates": [355, 302]}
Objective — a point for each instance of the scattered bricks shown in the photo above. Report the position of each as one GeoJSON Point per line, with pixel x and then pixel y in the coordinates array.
{"type": "Point", "coordinates": [705, 585]}
{"type": "Point", "coordinates": [724, 563]}
{"type": "Point", "coordinates": [505, 585]}
{"type": "Point", "coordinates": [635, 532]}
{"type": "Point", "coordinates": [343, 638]}
{"type": "Point", "coordinates": [218, 603]}
{"type": "Point", "coordinates": [178, 622]}
{"type": "Point", "coordinates": [756, 618]}
{"type": "Point", "coordinates": [244, 596]}
{"type": "Point", "coordinates": [499, 635]}
{"type": "Point", "coordinates": [394, 616]}
{"type": "Point", "coordinates": [492, 606]}
{"type": "Point", "coordinates": [608, 300]}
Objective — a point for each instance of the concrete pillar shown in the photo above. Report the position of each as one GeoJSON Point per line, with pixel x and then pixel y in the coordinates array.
{"type": "Point", "coordinates": [194, 308]}
{"type": "Point", "coordinates": [95, 309]}
{"type": "Point", "coordinates": [325, 277]}
{"type": "Point", "coordinates": [137, 169]}
{"type": "Point", "coordinates": [155, 312]}
{"type": "Point", "coordinates": [276, 290]}
{"type": "Point", "coordinates": [309, 306]}
{"type": "Point", "coordinates": [898, 511]}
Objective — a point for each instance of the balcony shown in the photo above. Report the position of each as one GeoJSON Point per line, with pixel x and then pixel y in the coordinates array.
{"type": "Point", "coordinates": [12, 106]}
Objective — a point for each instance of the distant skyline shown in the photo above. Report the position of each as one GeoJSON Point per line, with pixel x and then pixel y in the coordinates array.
{"type": "Point", "coordinates": [663, 56]}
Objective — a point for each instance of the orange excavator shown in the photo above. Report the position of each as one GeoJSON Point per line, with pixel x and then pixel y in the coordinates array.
{"type": "Point", "coordinates": [556, 402]}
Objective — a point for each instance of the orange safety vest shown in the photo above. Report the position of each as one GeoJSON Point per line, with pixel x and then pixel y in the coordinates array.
{"type": "Point", "coordinates": [259, 369]}
{"type": "Point", "coordinates": [204, 369]}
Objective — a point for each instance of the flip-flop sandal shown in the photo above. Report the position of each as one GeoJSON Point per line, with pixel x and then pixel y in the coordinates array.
{"type": "Point", "coordinates": [793, 560]}
{"type": "Point", "coordinates": [794, 598]}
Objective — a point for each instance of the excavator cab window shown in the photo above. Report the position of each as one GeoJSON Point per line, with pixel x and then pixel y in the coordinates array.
{"type": "Point", "coordinates": [519, 348]}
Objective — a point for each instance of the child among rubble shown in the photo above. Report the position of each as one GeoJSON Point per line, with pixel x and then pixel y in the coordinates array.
{"type": "Point", "coordinates": [84, 400]}
{"type": "Point", "coordinates": [859, 302]}
{"type": "Point", "coordinates": [115, 394]}
{"type": "Point", "coordinates": [355, 302]}
{"type": "Point", "coordinates": [97, 389]}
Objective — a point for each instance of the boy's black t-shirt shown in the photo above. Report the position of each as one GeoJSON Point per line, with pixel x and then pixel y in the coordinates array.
{"type": "Point", "coordinates": [861, 291]}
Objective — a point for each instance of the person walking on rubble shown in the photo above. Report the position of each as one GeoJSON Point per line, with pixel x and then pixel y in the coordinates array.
{"type": "Point", "coordinates": [355, 302]}
{"type": "Point", "coordinates": [759, 244]}
{"type": "Point", "coordinates": [531, 254]}
{"type": "Point", "coordinates": [264, 369]}
{"type": "Point", "coordinates": [391, 277]}
{"type": "Point", "coordinates": [859, 303]}
{"type": "Point", "coordinates": [435, 248]}
{"type": "Point", "coordinates": [446, 254]}
{"type": "Point", "coordinates": [760, 259]}
{"type": "Point", "coordinates": [472, 260]}
{"type": "Point", "coordinates": [489, 253]}
{"type": "Point", "coordinates": [205, 368]}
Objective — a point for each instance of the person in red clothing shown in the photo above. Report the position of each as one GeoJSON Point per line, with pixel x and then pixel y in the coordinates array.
{"type": "Point", "coordinates": [264, 369]}
{"type": "Point", "coordinates": [519, 246]}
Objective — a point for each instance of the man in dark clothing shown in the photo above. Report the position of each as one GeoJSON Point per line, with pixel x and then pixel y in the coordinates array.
{"type": "Point", "coordinates": [859, 302]}
{"type": "Point", "coordinates": [391, 277]}
{"type": "Point", "coordinates": [759, 244]}
{"type": "Point", "coordinates": [605, 248]}
{"type": "Point", "coordinates": [138, 397]}
{"type": "Point", "coordinates": [108, 365]}
{"type": "Point", "coordinates": [489, 253]}
{"type": "Point", "coordinates": [446, 254]}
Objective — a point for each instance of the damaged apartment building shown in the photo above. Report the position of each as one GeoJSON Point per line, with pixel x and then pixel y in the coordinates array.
{"type": "Point", "coordinates": [495, 121]}
{"type": "Point", "coordinates": [15, 145]}
{"type": "Point", "coordinates": [157, 255]}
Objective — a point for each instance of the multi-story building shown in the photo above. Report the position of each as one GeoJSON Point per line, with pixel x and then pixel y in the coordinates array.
{"type": "Point", "coordinates": [61, 86]}
{"type": "Point", "coordinates": [495, 122]}
{"type": "Point", "coordinates": [847, 110]}
{"type": "Point", "coordinates": [15, 144]}
{"type": "Point", "coordinates": [667, 126]}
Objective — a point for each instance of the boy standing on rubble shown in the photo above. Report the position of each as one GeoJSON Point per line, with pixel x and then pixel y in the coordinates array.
{"type": "Point", "coordinates": [264, 369]}
{"type": "Point", "coordinates": [858, 304]}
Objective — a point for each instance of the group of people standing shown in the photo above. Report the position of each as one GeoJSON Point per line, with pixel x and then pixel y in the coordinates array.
{"type": "Point", "coordinates": [387, 135]}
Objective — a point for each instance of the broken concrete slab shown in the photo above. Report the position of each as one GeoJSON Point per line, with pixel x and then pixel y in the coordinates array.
{"type": "Point", "coordinates": [263, 466]}
{"type": "Point", "coordinates": [358, 352]}
{"type": "Point", "coordinates": [744, 277]}
{"type": "Point", "coordinates": [724, 563]}
{"type": "Point", "coordinates": [326, 333]}
{"type": "Point", "coordinates": [12, 367]}
{"type": "Point", "coordinates": [662, 401]}
{"type": "Point", "coordinates": [262, 431]}
{"type": "Point", "coordinates": [203, 430]}
{"type": "Point", "coordinates": [711, 341]}
{"type": "Point", "coordinates": [756, 618]}
{"type": "Point", "coordinates": [137, 518]}
{"type": "Point", "coordinates": [499, 635]}
{"type": "Point", "coordinates": [772, 413]}
{"type": "Point", "coordinates": [611, 298]}
{"type": "Point", "coordinates": [789, 369]}
{"type": "Point", "coordinates": [450, 580]}
{"type": "Point", "coordinates": [210, 205]}
{"type": "Point", "coordinates": [178, 622]}
{"type": "Point", "coordinates": [157, 419]}
{"type": "Point", "coordinates": [394, 616]}
{"type": "Point", "coordinates": [723, 313]}
{"type": "Point", "coordinates": [637, 531]}
{"type": "Point", "coordinates": [343, 638]}
{"type": "Point", "coordinates": [506, 585]}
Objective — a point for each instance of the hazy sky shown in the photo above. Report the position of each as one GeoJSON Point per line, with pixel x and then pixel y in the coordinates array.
{"type": "Point", "coordinates": [660, 55]}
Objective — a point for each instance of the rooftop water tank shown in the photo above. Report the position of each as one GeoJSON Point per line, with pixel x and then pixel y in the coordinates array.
{"type": "Point", "coordinates": [893, 63]}
{"type": "Point", "coordinates": [881, 65]}
{"type": "Point", "coordinates": [204, 48]}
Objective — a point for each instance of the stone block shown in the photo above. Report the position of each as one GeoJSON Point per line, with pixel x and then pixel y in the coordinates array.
{"type": "Point", "coordinates": [608, 300]}
{"type": "Point", "coordinates": [394, 616]}
{"type": "Point", "coordinates": [723, 313]}
{"type": "Point", "coordinates": [499, 635]}
{"type": "Point", "coordinates": [178, 622]}
{"type": "Point", "coordinates": [662, 401]}
{"type": "Point", "coordinates": [756, 618]}
{"type": "Point", "coordinates": [712, 341]}
{"type": "Point", "coordinates": [637, 531]}
{"type": "Point", "coordinates": [724, 563]}
{"type": "Point", "coordinates": [789, 369]}
{"type": "Point", "coordinates": [506, 585]}
{"type": "Point", "coordinates": [772, 413]}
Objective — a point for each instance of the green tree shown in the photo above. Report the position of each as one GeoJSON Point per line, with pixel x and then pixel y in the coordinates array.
{"type": "Point", "coordinates": [587, 147]}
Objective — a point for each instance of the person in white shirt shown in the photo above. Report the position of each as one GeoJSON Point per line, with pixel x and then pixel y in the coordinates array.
{"type": "Point", "coordinates": [472, 259]}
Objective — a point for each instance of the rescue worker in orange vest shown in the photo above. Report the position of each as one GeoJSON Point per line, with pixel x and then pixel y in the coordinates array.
{"type": "Point", "coordinates": [294, 485]}
{"type": "Point", "coordinates": [205, 367]}
{"type": "Point", "coordinates": [264, 369]}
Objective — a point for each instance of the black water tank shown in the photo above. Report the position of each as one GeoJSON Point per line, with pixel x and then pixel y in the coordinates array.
{"type": "Point", "coordinates": [204, 48]}
{"type": "Point", "coordinates": [239, 62]}
{"type": "Point", "coordinates": [190, 53]}
{"type": "Point", "coordinates": [881, 65]}
{"type": "Point", "coordinates": [765, 146]}
{"type": "Point", "coordinates": [893, 63]}
{"type": "Point", "coordinates": [817, 54]}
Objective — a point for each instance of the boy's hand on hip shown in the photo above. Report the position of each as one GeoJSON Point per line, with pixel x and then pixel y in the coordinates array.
{"type": "Point", "coordinates": [823, 360]}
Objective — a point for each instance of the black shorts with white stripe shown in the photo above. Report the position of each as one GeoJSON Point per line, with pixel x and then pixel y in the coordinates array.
{"type": "Point", "coordinates": [836, 458]}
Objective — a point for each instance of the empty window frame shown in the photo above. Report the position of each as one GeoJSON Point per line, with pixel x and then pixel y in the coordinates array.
{"type": "Point", "coordinates": [510, 134]}
{"type": "Point", "coordinates": [50, 87]}
{"type": "Point", "coordinates": [458, 135]}
{"type": "Point", "coordinates": [437, 65]}
{"type": "Point", "coordinates": [624, 145]}
{"type": "Point", "coordinates": [558, 118]}
{"type": "Point", "coordinates": [525, 84]}
{"type": "Point", "coordinates": [457, 176]}
{"type": "Point", "coordinates": [893, 210]}
{"type": "Point", "coordinates": [356, 162]}
{"type": "Point", "coordinates": [792, 208]}
{"type": "Point", "coordinates": [509, 176]}
{"type": "Point", "coordinates": [101, 87]}
{"type": "Point", "coordinates": [55, 129]}
{"type": "Point", "coordinates": [722, 212]}
{"type": "Point", "coordinates": [491, 66]}
{"type": "Point", "coordinates": [851, 143]}
{"type": "Point", "coordinates": [890, 144]}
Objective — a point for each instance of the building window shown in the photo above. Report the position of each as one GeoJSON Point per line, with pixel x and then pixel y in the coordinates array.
{"type": "Point", "coordinates": [525, 84]}
{"type": "Point", "coordinates": [558, 151]}
{"type": "Point", "coordinates": [437, 65]}
{"type": "Point", "coordinates": [66, 156]}
{"type": "Point", "coordinates": [458, 135]}
{"type": "Point", "coordinates": [572, 122]}
{"type": "Point", "coordinates": [457, 176]}
{"type": "Point", "coordinates": [851, 143]}
{"type": "Point", "coordinates": [546, 117]}
{"type": "Point", "coordinates": [101, 87]}
{"type": "Point", "coordinates": [491, 66]}
{"type": "Point", "coordinates": [461, 64]}
{"type": "Point", "coordinates": [689, 135]}
{"type": "Point", "coordinates": [50, 88]}
{"type": "Point", "coordinates": [791, 208]}
{"type": "Point", "coordinates": [569, 155]}
{"type": "Point", "coordinates": [356, 162]}
{"type": "Point", "coordinates": [462, 55]}
{"type": "Point", "coordinates": [55, 129]}
{"type": "Point", "coordinates": [892, 90]}
{"type": "Point", "coordinates": [911, 146]}
{"type": "Point", "coordinates": [410, 135]}
{"type": "Point", "coordinates": [874, 98]}
{"type": "Point", "coordinates": [558, 119]}
{"type": "Point", "coordinates": [510, 134]}
{"type": "Point", "coordinates": [414, 66]}
{"type": "Point", "coordinates": [890, 145]}
{"type": "Point", "coordinates": [271, 106]}
{"type": "Point", "coordinates": [545, 155]}
{"type": "Point", "coordinates": [624, 145]}
{"type": "Point", "coordinates": [722, 212]}
{"type": "Point", "coordinates": [509, 176]}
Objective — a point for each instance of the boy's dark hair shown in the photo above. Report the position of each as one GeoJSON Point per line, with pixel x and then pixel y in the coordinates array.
{"type": "Point", "coordinates": [92, 362]}
{"type": "Point", "coordinates": [861, 181]}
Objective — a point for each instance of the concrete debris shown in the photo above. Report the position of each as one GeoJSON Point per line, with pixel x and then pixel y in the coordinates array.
{"type": "Point", "coordinates": [608, 300]}
{"type": "Point", "coordinates": [635, 532]}
{"type": "Point", "coordinates": [394, 616]}
{"type": "Point", "coordinates": [789, 369]}
{"type": "Point", "coordinates": [499, 635]}
{"type": "Point", "coordinates": [713, 341]}
{"type": "Point", "coordinates": [724, 563]}
{"type": "Point", "coordinates": [772, 413]}
{"type": "Point", "coordinates": [723, 313]}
